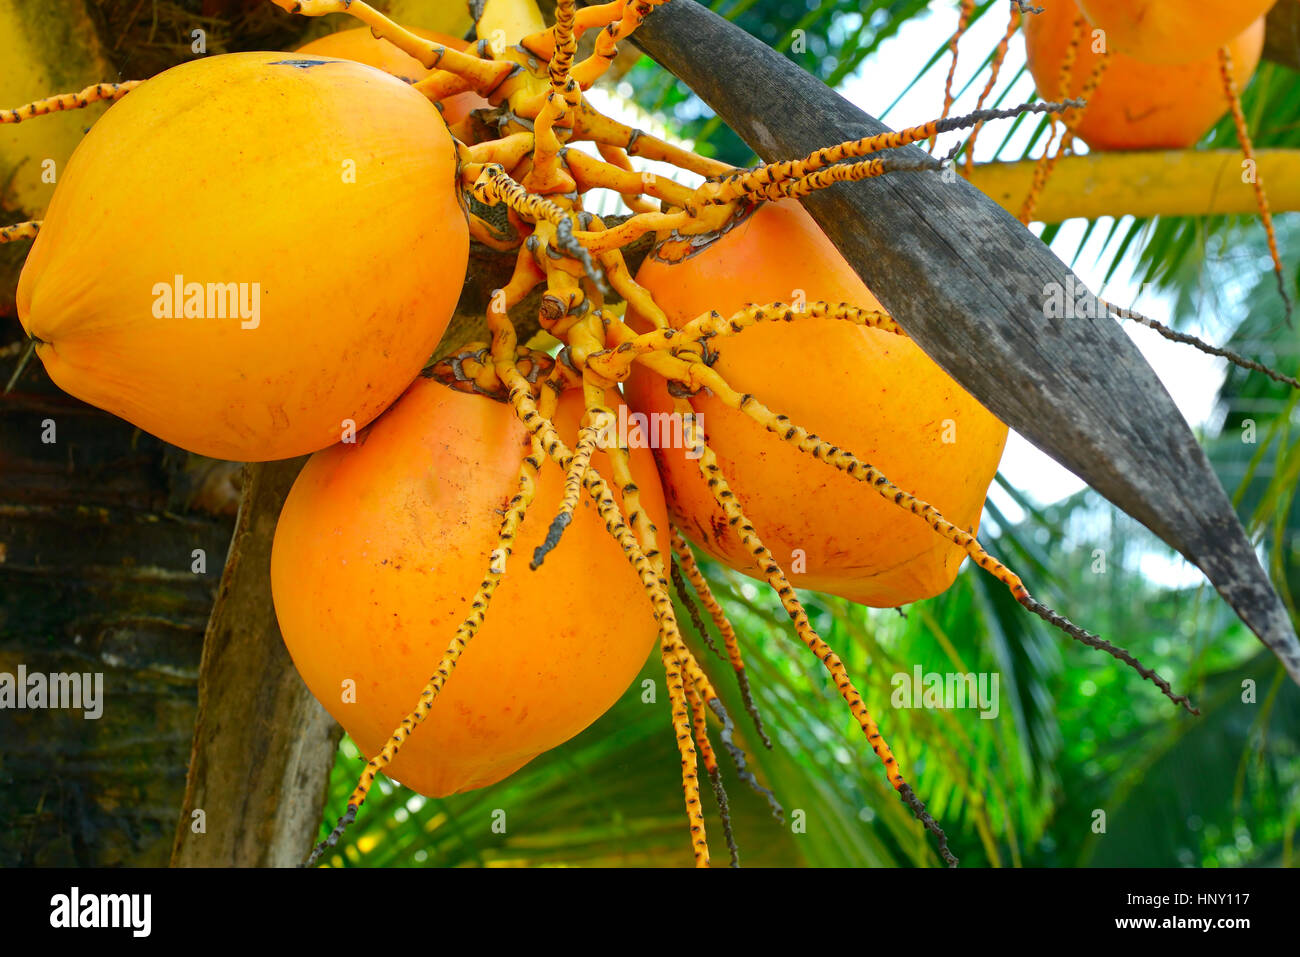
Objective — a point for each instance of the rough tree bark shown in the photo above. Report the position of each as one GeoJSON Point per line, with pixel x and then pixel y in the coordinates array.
{"type": "Point", "coordinates": [1282, 34]}
{"type": "Point", "coordinates": [969, 285]}
{"type": "Point", "coordinates": [263, 746]}
{"type": "Point", "coordinates": [98, 528]}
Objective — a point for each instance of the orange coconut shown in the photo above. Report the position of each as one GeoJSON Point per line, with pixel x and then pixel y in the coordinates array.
{"type": "Point", "coordinates": [364, 47]}
{"type": "Point", "coordinates": [1136, 105]}
{"type": "Point", "coordinates": [1172, 31]}
{"type": "Point", "coordinates": [870, 392]}
{"type": "Point", "coordinates": [380, 548]}
{"type": "Point", "coordinates": [250, 255]}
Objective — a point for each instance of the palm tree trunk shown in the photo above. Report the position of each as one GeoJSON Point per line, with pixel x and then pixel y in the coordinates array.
{"type": "Point", "coordinates": [263, 747]}
{"type": "Point", "coordinates": [100, 526]}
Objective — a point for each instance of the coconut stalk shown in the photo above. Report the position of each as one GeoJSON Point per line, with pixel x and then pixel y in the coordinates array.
{"type": "Point", "coordinates": [1142, 183]}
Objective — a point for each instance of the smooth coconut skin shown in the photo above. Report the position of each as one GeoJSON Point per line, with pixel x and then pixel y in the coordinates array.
{"type": "Point", "coordinates": [327, 183]}
{"type": "Point", "coordinates": [379, 550]}
{"type": "Point", "coordinates": [870, 392]}
{"type": "Point", "coordinates": [1136, 105]}
{"type": "Point", "coordinates": [364, 47]}
{"type": "Point", "coordinates": [1171, 31]}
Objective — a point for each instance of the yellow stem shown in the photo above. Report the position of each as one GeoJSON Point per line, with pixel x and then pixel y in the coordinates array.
{"type": "Point", "coordinates": [1157, 183]}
